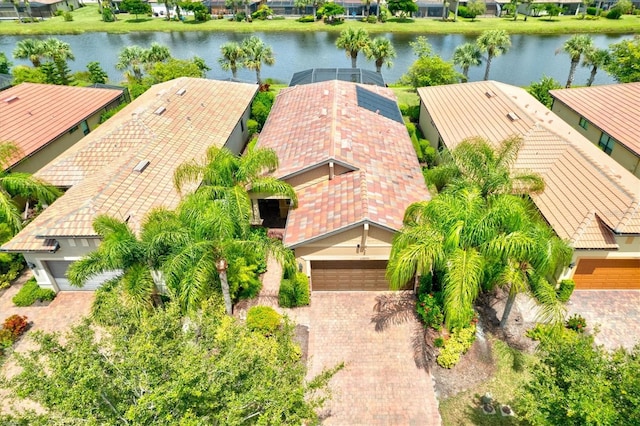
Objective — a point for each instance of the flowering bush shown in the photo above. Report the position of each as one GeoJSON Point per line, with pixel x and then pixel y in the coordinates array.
{"type": "Point", "coordinates": [577, 323]}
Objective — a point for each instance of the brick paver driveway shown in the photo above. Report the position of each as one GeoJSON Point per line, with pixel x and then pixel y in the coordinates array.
{"type": "Point", "coordinates": [615, 312]}
{"type": "Point", "coordinates": [380, 384]}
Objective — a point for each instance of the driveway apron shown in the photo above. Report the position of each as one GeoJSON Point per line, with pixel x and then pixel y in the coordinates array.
{"type": "Point", "coordinates": [381, 383]}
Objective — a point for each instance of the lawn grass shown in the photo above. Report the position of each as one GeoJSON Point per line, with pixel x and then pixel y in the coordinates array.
{"type": "Point", "coordinates": [406, 95]}
{"type": "Point", "coordinates": [87, 19]}
{"type": "Point", "coordinates": [464, 408]}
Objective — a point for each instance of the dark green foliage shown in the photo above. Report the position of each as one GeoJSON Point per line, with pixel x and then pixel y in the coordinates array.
{"type": "Point", "coordinates": [593, 11]}
{"type": "Point", "coordinates": [553, 9]}
{"type": "Point", "coordinates": [407, 6]}
{"type": "Point", "coordinates": [135, 7]}
{"type": "Point", "coordinates": [429, 308]}
{"type": "Point", "coordinates": [294, 291]}
{"type": "Point", "coordinates": [307, 18]}
{"type": "Point", "coordinates": [410, 111]}
{"type": "Point", "coordinates": [200, 11]}
{"type": "Point", "coordinates": [576, 323]}
{"type": "Point", "coordinates": [261, 107]}
{"type": "Point", "coordinates": [240, 16]}
{"type": "Point", "coordinates": [463, 12]}
{"type": "Point", "coordinates": [31, 292]}
{"type": "Point", "coordinates": [614, 13]}
{"type": "Point", "coordinates": [108, 15]}
{"type": "Point", "coordinates": [428, 157]}
{"type": "Point", "coordinates": [330, 10]}
{"type": "Point", "coordinates": [540, 90]}
{"type": "Point", "coordinates": [96, 73]}
{"type": "Point", "coordinates": [578, 383]}
{"type": "Point", "coordinates": [263, 319]}
{"type": "Point", "coordinates": [10, 264]}
{"type": "Point", "coordinates": [5, 65]}
{"type": "Point", "coordinates": [438, 342]}
{"type": "Point", "coordinates": [565, 290]}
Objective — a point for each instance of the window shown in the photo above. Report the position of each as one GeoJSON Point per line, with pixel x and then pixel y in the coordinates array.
{"type": "Point", "coordinates": [73, 129]}
{"type": "Point", "coordinates": [85, 127]}
{"type": "Point", "coordinates": [583, 123]}
{"type": "Point", "coordinates": [606, 143]}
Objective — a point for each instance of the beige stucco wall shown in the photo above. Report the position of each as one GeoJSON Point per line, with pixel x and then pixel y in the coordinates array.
{"type": "Point", "coordinates": [622, 155]}
{"type": "Point", "coordinates": [427, 126]}
{"type": "Point", "coordinates": [344, 246]}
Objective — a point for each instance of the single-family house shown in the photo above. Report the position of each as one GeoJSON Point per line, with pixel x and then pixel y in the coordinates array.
{"type": "Point", "coordinates": [590, 200]}
{"type": "Point", "coordinates": [125, 169]}
{"type": "Point", "coordinates": [345, 149]}
{"type": "Point", "coordinates": [608, 116]}
{"type": "Point", "coordinates": [37, 9]}
{"type": "Point", "coordinates": [44, 120]}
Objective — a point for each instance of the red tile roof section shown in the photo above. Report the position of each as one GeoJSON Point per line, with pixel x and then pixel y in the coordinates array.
{"type": "Point", "coordinates": [614, 109]}
{"type": "Point", "coordinates": [588, 195]}
{"type": "Point", "coordinates": [33, 115]}
{"type": "Point", "coordinates": [311, 125]}
{"type": "Point", "coordinates": [204, 115]}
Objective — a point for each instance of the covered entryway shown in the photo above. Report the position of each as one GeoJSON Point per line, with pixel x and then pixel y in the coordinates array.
{"type": "Point", "coordinates": [348, 275]}
{"type": "Point", "coordinates": [607, 274]}
{"type": "Point", "coordinates": [58, 270]}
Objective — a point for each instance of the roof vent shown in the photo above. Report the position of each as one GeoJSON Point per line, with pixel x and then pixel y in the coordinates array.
{"type": "Point", "coordinates": [323, 111]}
{"type": "Point", "coordinates": [513, 116]}
{"type": "Point", "coordinates": [160, 110]}
{"type": "Point", "coordinates": [489, 94]}
{"type": "Point", "coordinates": [181, 91]}
{"type": "Point", "coordinates": [11, 99]}
{"type": "Point", "coordinates": [141, 166]}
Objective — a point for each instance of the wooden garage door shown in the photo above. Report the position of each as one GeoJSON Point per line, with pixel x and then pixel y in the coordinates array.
{"type": "Point", "coordinates": [349, 275]}
{"type": "Point", "coordinates": [607, 274]}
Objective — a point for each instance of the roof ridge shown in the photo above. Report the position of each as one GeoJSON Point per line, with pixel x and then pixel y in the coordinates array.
{"type": "Point", "coordinates": [582, 228]}
{"type": "Point", "coordinates": [628, 214]}
{"type": "Point", "coordinates": [364, 194]}
{"type": "Point", "coordinates": [334, 115]}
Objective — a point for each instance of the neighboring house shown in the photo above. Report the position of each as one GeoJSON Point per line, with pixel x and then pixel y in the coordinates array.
{"type": "Point", "coordinates": [6, 80]}
{"type": "Point", "coordinates": [589, 200]}
{"type": "Point", "coordinates": [345, 149]}
{"type": "Point", "coordinates": [609, 116]}
{"type": "Point", "coordinates": [44, 120]}
{"type": "Point", "coordinates": [125, 169]}
{"type": "Point", "coordinates": [39, 9]}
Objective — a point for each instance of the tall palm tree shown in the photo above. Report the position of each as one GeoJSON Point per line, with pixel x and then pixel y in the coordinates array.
{"type": "Point", "coordinates": [120, 250]}
{"type": "Point", "coordinates": [596, 59]}
{"type": "Point", "coordinates": [156, 53]}
{"type": "Point", "coordinates": [353, 41]}
{"type": "Point", "coordinates": [233, 56]}
{"type": "Point", "coordinates": [476, 161]}
{"type": "Point", "coordinates": [575, 47]}
{"type": "Point", "coordinates": [24, 185]}
{"type": "Point", "coordinates": [257, 52]}
{"type": "Point", "coordinates": [381, 50]}
{"type": "Point", "coordinates": [467, 55]}
{"type": "Point", "coordinates": [495, 43]}
{"type": "Point", "coordinates": [131, 60]}
{"type": "Point", "coordinates": [59, 52]}
{"type": "Point", "coordinates": [15, 4]}
{"type": "Point", "coordinates": [31, 49]}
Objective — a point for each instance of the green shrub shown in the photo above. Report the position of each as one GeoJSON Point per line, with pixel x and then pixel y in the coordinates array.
{"type": "Point", "coordinates": [577, 323]}
{"type": "Point", "coordinates": [263, 319]}
{"type": "Point", "coordinates": [458, 344]}
{"type": "Point", "coordinates": [262, 13]}
{"type": "Point", "coordinates": [58, 12]}
{"type": "Point", "coordinates": [68, 17]}
{"type": "Point", "coordinates": [565, 290]}
{"type": "Point", "coordinates": [31, 292]}
{"type": "Point", "coordinates": [614, 13]}
{"type": "Point", "coordinates": [111, 112]}
{"type": "Point", "coordinates": [428, 152]}
{"type": "Point", "coordinates": [240, 16]}
{"type": "Point", "coordinates": [539, 332]}
{"type": "Point", "coordinates": [6, 340]}
{"type": "Point", "coordinates": [294, 292]}
{"type": "Point", "coordinates": [372, 19]}
{"type": "Point", "coordinates": [261, 107]}
{"type": "Point", "coordinates": [438, 342]}
{"type": "Point", "coordinates": [463, 12]}
{"type": "Point", "coordinates": [252, 127]}
{"type": "Point", "coordinates": [307, 18]}
{"type": "Point", "coordinates": [429, 310]}
{"type": "Point", "coordinates": [593, 11]}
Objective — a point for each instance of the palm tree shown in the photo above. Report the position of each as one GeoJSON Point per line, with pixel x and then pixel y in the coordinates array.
{"type": "Point", "coordinates": [353, 41]}
{"type": "Point", "coordinates": [156, 53]}
{"type": "Point", "coordinates": [120, 250]}
{"type": "Point", "coordinates": [381, 50]}
{"type": "Point", "coordinates": [596, 58]}
{"type": "Point", "coordinates": [467, 55]}
{"type": "Point", "coordinates": [495, 43]}
{"type": "Point", "coordinates": [256, 52]}
{"type": "Point", "coordinates": [475, 161]}
{"type": "Point", "coordinates": [31, 49]}
{"type": "Point", "coordinates": [131, 57]}
{"type": "Point", "coordinates": [24, 185]}
{"type": "Point", "coordinates": [232, 57]}
{"type": "Point", "coordinates": [575, 47]}
{"type": "Point", "coordinates": [59, 52]}
{"type": "Point", "coordinates": [15, 4]}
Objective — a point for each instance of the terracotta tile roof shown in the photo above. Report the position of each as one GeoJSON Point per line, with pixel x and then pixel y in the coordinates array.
{"type": "Point", "coordinates": [312, 125]}
{"type": "Point", "coordinates": [588, 198]}
{"type": "Point", "coordinates": [614, 109]}
{"type": "Point", "coordinates": [33, 115]}
{"type": "Point", "coordinates": [204, 115]}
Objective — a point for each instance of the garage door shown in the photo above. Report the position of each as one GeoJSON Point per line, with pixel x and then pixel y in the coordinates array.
{"type": "Point", "coordinates": [349, 275]}
{"type": "Point", "coordinates": [607, 274]}
{"type": "Point", "coordinates": [58, 269]}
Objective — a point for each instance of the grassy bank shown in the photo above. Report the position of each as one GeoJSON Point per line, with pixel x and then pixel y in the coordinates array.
{"type": "Point", "coordinates": [87, 19]}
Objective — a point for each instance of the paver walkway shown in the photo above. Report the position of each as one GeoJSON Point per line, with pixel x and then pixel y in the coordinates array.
{"type": "Point", "coordinates": [380, 384]}
{"type": "Point", "coordinates": [615, 312]}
